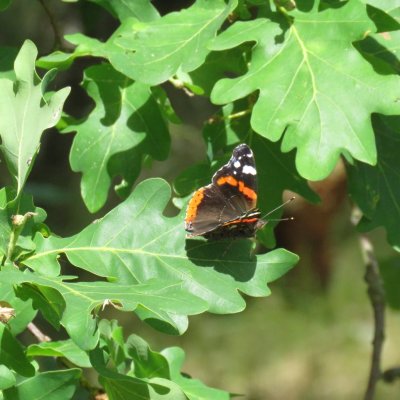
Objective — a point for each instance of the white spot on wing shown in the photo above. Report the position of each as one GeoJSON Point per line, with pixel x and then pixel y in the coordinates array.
{"type": "Point", "coordinates": [236, 164]}
{"type": "Point", "coordinates": [248, 169]}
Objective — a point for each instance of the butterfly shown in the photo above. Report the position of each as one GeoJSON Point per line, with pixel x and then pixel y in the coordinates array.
{"type": "Point", "coordinates": [227, 208]}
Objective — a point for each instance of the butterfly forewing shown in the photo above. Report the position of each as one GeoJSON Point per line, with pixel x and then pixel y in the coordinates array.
{"type": "Point", "coordinates": [231, 196]}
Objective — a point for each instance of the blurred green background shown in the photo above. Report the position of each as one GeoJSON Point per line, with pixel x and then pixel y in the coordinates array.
{"type": "Point", "coordinates": [312, 338]}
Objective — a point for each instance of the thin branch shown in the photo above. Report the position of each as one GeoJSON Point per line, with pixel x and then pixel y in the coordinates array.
{"type": "Point", "coordinates": [177, 83]}
{"type": "Point", "coordinates": [39, 335]}
{"type": "Point", "coordinates": [391, 374]}
{"type": "Point", "coordinates": [376, 295]}
{"type": "Point", "coordinates": [58, 36]}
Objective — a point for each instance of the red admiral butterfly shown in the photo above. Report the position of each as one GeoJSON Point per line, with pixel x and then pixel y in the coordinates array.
{"type": "Point", "coordinates": [227, 207]}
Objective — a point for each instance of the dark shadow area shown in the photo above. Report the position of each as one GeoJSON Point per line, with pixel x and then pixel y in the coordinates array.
{"type": "Point", "coordinates": [231, 257]}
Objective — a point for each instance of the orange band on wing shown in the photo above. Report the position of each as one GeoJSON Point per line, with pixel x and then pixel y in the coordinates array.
{"type": "Point", "coordinates": [194, 202]}
{"type": "Point", "coordinates": [230, 180]}
{"type": "Point", "coordinates": [246, 220]}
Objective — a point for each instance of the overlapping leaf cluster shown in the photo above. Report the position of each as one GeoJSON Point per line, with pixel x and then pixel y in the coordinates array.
{"type": "Point", "coordinates": [300, 86]}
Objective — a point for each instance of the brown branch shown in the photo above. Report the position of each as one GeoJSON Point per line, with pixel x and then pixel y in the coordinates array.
{"type": "Point", "coordinates": [376, 295]}
{"type": "Point", "coordinates": [391, 374]}
{"type": "Point", "coordinates": [58, 36]}
{"type": "Point", "coordinates": [39, 335]}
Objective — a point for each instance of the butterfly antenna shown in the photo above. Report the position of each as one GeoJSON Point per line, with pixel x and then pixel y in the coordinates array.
{"type": "Point", "coordinates": [277, 208]}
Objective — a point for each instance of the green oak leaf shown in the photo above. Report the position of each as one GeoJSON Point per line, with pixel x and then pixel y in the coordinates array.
{"type": "Point", "coordinates": [167, 364]}
{"type": "Point", "coordinates": [193, 388]}
{"type": "Point", "coordinates": [390, 272]}
{"type": "Point", "coordinates": [147, 363]}
{"type": "Point", "coordinates": [4, 4]}
{"type": "Point", "coordinates": [152, 51]}
{"type": "Point", "coordinates": [135, 242]}
{"type": "Point", "coordinates": [7, 57]}
{"type": "Point", "coordinates": [126, 118]}
{"type": "Point", "coordinates": [80, 299]}
{"type": "Point", "coordinates": [125, 387]}
{"type": "Point", "coordinates": [12, 354]}
{"type": "Point", "coordinates": [315, 89]}
{"type": "Point", "coordinates": [7, 378]}
{"type": "Point", "coordinates": [391, 7]}
{"type": "Point", "coordinates": [143, 10]}
{"type": "Point", "coordinates": [155, 51]}
{"type": "Point", "coordinates": [62, 348]}
{"type": "Point", "coordinates": [51, 385]}
{"type": "Point", "coordinates": [24, 114]}
{"type": "Point", "coordinates": [24, 312]}
{"type": "Point", "coordinates": [376, 190]}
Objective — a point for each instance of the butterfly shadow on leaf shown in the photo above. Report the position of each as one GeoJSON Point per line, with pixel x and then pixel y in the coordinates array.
{"type": "Point", "coordinates": [233, 257]}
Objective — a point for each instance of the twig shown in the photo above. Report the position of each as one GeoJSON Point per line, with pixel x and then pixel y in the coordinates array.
{"type": "Point", "coordinates": [39, 335]}
{"type": "Point", "coordinates": [376, 295]}
{"type": "Point", "coordinates": [391, 374]}
{"type": "Point", "coordinates": [18, 222]}
{"type": "Point", "coordinates": [58, 37]}
{"type": "Point", "coordinates": [180, 85]}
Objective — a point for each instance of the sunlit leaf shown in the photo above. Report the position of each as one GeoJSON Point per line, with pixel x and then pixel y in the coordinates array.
{"type": "Point", "coordinates": [24, 114]}
{"type": "Point", "coordinates": [314, 88]}
{"type": "Point", "coordinates": [125, 117]}
{"type": "Point", "coordinates": [135, 243]}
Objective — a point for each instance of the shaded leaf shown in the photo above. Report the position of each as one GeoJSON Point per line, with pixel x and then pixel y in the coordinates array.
{"type": "Point", "coordinates": [81, 298]}
{"type": "Point", "coordinates": [125, 387]}
{"type": "Point", "coordinates": [193, 388]}
{"type": "Point", "coordinates": [9, 208]}
{"type": "Point", "coordinates": [143, 10]}
{"type": "Point", "coordinates": [154, 247]}
{"type": "Point", "coordinates": [314, 88]}
{"type": "Point", "coordinates": [62, 348]}
{"type": "Point", "coordinates": [390, 272]}
{"type": "Point", "coordinates": [156, 51]}
{"type": "Point", "coordinates": [24, 312]}
{"type": "Point", "coordinates": [52, 385]}
{"type": "Point", "coordinates": [24, 114]}
{"type": "Point", "coordinates": [7, 57]}
{"type": "Point", "coordinates": [276, 170]}
{"type": "Point", "coordinates": [148, 363]}
{"type": "Point", "coordinates": [12, 355]}
{"type": "Point", "coordinates": [376, 190]}
{"type": "Point", "coordinates": [125, 116]}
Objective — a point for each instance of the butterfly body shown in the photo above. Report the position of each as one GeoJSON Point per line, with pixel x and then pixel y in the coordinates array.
{"type": "Point", "coordinates": [227, 208]}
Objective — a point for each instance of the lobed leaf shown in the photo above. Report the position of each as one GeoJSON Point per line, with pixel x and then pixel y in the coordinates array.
{"type": "Point", "coordinates": [51, 385]}
{"type": "Point", "coordinates": [314, 88]}
{"type": "Point", "coordinates": [376, 190]}
{"type": "Point", "coordinates": [156, 51]}
{"type": "Point", "coordinates": [143, 10]}
{"type": "Point", "coordinates": [62, 348]}
{"type": "Point", "coordinates": [75, 302]}
{"type": "Point", "coordinates": [24, 114]}
{"type": "Point", "coordinates": [193, 388]}
{"type": "Point", "coordinates": [12, 354]}
{"type": "Point", "coordinates": [126, 118]}
{"type": "Point", "coordinates": [134, 244]}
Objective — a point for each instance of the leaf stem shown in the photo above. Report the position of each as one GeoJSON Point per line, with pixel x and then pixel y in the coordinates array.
{"type": "Point", "coordinates": [177, 83]}
{"type": "Point", "coordinates": [39, 335]}
{"type": "Point", "coordinates": [18, 223]}
{"type": "Point", "coordinates": [239, 114]}
{"type": "Point", "coordinates": [391, 374]}
{"type": "Point", "coordinates": [376, 295]}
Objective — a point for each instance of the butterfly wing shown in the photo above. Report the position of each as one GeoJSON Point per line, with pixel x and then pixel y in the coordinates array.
{"type": "Point", "coordinates": [232, 194]}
